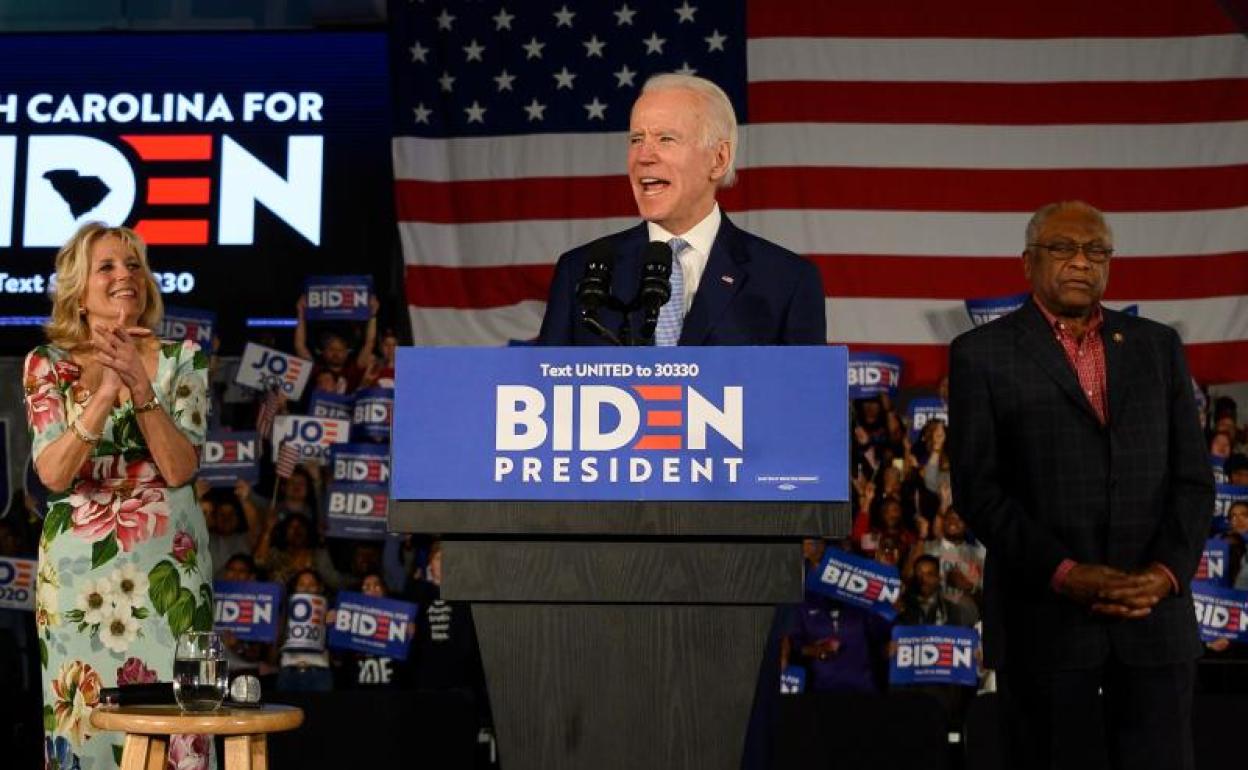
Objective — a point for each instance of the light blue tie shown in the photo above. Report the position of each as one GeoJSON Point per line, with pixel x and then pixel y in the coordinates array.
{"type": "Point", "coordinates": [672, 314]}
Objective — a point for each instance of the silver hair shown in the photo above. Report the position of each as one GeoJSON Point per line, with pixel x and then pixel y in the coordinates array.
{"type": "Point", "coordinates": [719, 122]}
{"type": "Point", "coordinates": [1046, 211]}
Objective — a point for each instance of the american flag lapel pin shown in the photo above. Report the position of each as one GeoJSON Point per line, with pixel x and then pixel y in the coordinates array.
{"type": "Point", "coordinates": [1118, 337]}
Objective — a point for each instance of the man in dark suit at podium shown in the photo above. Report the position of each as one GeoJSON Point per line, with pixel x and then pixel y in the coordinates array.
{"type": "Point", "coordinates": [728, 287]}
{"type": "Point", "coordinates": [1078, 460]}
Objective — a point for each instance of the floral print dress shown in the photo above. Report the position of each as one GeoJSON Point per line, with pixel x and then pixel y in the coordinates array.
{"type": "Point", "coordinates": [123, 563]}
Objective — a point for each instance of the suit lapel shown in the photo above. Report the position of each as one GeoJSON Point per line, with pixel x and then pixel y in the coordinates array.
{"type": "Point", "coordinates": [725, 275]}
{"type": "Point", "coordinates": [1039, 341]}
{"type": "Point", "coordinates": [1115, 361]}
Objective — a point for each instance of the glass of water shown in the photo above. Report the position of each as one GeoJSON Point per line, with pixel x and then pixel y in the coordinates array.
{"type": "Point", "coordinates": [200, 678]}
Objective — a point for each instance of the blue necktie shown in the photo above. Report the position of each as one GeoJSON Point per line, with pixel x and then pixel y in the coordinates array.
{"type": "Point", "coordinates": [672, 314]}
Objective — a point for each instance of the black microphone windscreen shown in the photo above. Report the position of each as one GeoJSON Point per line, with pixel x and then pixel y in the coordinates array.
{"type": "Point", "coordinates": [657, 253]}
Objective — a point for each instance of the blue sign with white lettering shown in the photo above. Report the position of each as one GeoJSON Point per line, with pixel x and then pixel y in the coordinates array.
{"type": "Point", "coordinates": [184, 323]}
{"type": "Point", "coordinates": [988, 309]}
{"type": "Point", "coordinates": [337, 297]}
{"type": "Point", "coordinates": [934, 655]}
{"type": "Point", "coordinates": [228, 456]}
{"type": "Point", "coordinates": [1221, 613]}
{"type": "Point", "coordinates": [1227, 495]}
{"type": "Point", "coordinates": [793, 680]}
{"type": "Point", "coordinates": [856, 580]}
{"type": "Point", "coordinates": [370, 416]}
{"type": "Point", "coordinates": [873, 374]}
{"type": "Point", "coordinates": [360, 464]}
{"type": "Point", "coordinates": [372, 625]}
{"type": "Point", "coordinates": [356, 510]}
{"type": "Point", "coordinates": [925, 409]}
{"type": "Point", "coordinates": [1215, 561]}
{"type": "Point", "coordinates": [248, 610]}
{"type": "Point", "coordinates": [322, 403]}
{"type": "Point", "coordinates": [680, 423]}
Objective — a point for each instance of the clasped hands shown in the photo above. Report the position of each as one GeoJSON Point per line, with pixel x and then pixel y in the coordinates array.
{"type": "Point", "coordinates": [117, 351]}
{"type": "Point", "coordinates": [1115, 593]}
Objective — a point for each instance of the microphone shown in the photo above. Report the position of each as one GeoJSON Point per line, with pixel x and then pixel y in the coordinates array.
{"type": "Point", "coordinates": [153, 694]}
{"type": "Point", "coordinates": [594, 289]}
{"type": "Point", "coordinates": [656, 286]}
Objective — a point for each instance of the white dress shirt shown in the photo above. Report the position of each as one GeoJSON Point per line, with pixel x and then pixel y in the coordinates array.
{"type": "Point", "coordinates": [693, 260]}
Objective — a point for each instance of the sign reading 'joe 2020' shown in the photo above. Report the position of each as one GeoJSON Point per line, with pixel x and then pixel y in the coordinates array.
{"type": "Point", "coordinates": [621, 424]}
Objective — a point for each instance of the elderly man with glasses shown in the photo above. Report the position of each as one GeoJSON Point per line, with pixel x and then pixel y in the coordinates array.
{"type": "Point", "coordinates": [1078, 460]}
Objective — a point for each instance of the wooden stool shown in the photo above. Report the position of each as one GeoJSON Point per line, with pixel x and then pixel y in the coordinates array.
{"type": "Point", "coordinates": [148, 728]}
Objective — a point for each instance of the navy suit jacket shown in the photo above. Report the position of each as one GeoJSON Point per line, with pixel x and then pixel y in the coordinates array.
{"type": "Point", "coordinates": [752, 292]}
{"type": "Point", "coordinates": [1040, 480]}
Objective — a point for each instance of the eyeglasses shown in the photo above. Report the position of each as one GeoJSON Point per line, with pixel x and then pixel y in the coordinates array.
{"type": "Point", "coordinates": [1064, 251]}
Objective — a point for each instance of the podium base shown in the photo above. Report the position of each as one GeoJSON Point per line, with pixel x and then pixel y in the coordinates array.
{"type": "Point", "coordinates": [621, 653]}
{"type": "Point", "coordinates": [621, 686]}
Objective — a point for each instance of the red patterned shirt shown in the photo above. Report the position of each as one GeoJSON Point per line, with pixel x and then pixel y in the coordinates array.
{"type": "Point", "coordinates": [1086, 356]}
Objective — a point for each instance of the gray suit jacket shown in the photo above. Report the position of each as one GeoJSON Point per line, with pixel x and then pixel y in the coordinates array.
{"type": "Point", "coordinates": [1040, 480]}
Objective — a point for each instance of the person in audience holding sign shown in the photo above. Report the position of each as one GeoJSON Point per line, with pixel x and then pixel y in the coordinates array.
{"type": "Point", "coordinates": [304, 666]}
{"type": "Point", "coordinates": [244, 656]}
{"type": "Point", "coordinates": [335, 352]}
{"type": "Point", "coordinates": [358, 670]}
{"type": "Point", "coordinates": [115, 420]}
{"type": "Point", "coordinates": [728, 287]}
{"type": "Point", "coordinates": [1079, 461]}
{"type": "Point", "coordinates": [291, 547]}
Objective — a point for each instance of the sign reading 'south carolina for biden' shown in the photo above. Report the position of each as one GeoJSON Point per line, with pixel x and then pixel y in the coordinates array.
{"type": "Point", "coordinates": [1214, 560]}
{"type": "Point", "coordinates": [856, 580]}
{"type": "Point", "coordinates": [873, 374]}
{"type": "Point", "coordinates": [1221, 613]}
{"type": "Point", "coordinates": [621, 424]}
{"type": "Point", "coordinates": [228, 457]}
{"type": "Point", "coordinates": [247, 610]}
{"type": "Point", "coordinates": [183, 323]}
{"type": "Point", "coordinates": [372, 625]}
{"type": "Point", "coordinates": [934, 655]}
{"type": "Point", "coordinates": [337, 297]}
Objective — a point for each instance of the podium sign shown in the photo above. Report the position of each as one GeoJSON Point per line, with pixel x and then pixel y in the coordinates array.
{"type": "Point", "coordinates": [681, 423]}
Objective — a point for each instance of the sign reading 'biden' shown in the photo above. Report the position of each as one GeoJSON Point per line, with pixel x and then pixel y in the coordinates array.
{"type": "Point", "coordinates": [1221, 613]}
{"type": "Point", "coordinates": [228, 456]}
{"type": "Point", "coordinates": [934, 655]}
{"type": "Point", "coordinates": [856, 580]}
{"type": "Point", "coordinates": [181, 323]}
{"type": "Point", "coordinates": [338, 297]}
{"type": "Point", "coordinates": [873, 374]}
{"type": "Point", "coordinates": [246, 609]}
{"type": "Point", "coordinates": [373, 625]}
{"type": "Point", "coordinates": [621, 424]}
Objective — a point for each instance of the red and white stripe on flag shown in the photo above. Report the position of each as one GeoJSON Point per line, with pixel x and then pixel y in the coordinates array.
{"type": "Point", "coordinates": [287, 459]}
{"type": "Point", "coordinates": [902, 148]}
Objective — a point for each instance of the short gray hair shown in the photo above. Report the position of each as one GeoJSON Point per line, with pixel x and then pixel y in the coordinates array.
{"type": "Point", "coordinates": [1046, 211]}
{"type": "Point", "coordinates": [719, 122]}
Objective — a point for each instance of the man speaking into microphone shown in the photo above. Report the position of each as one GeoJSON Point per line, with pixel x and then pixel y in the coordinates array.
{"type": "Point", "coordinates": [686, 275]}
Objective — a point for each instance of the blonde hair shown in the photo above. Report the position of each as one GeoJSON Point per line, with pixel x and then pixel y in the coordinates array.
{"type": "Point", "coordinates": [719, 122]}
{"type": "Point", "coordinates": [67, 327]}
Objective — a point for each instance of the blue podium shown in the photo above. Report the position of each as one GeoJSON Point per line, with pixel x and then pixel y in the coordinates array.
{"type": "Point", "coordinates": [623, 521]}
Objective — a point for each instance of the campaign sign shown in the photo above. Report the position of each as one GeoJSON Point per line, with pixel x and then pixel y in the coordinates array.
{"type": "Point", "coordinates": [17, 583]}
{"type": "Point", "coordinates": [313, 436]}
{"type": "Point", "coordinates": [1214, 561]}
{"type": "Point", "coordinates": [305, 623]}
{"type": "Point", "coordinates": [792, 680]}
{"type": "Point", "coordinates": [184, 323]}
{"type": "Point", "coordinates": [678, 423]}
{"type": "Point", "coordinates": [337, 297]}
{"type": "Point", "coordinates": [246, 609]}
{"type": "Point", "coordinates": [988, 309]}
{"type": "Point", "coordinates": [1222, 613]}
{"type": "Point", "coordinates": [856, 580]}
{"type": "Point", "coordinates": [360, 464]}
{"type": "Point", "coordinates": [263, 368]}
{"type": "Point", "coordinates": [370, 418]}
{"type": "Point", "coordinates": [228, 456]}
{"type": "Point", "coordinates": [925, 409]}
{"type": "Point", "coordinates": [357, 510]}
{"type": "Point", "coordinates": [1219, 472]}
{"type": "Point", "coordinates": [372, 625]}
{"type": "Point", "coordinates": [934, 655]}
{"type": "Point", "coordinates": [873, 374]}
{"type": "Point", "coordinates": [322, 403]}
{"type": "Point", "coordinates": [1227, 495]}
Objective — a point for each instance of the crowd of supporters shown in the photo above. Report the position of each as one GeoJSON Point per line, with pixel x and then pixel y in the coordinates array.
{"type": "Point", "coordinates": [275, 530]}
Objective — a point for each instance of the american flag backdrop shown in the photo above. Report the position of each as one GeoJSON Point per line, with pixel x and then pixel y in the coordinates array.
{"type": "Point", "coordinates": [900, 144]}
